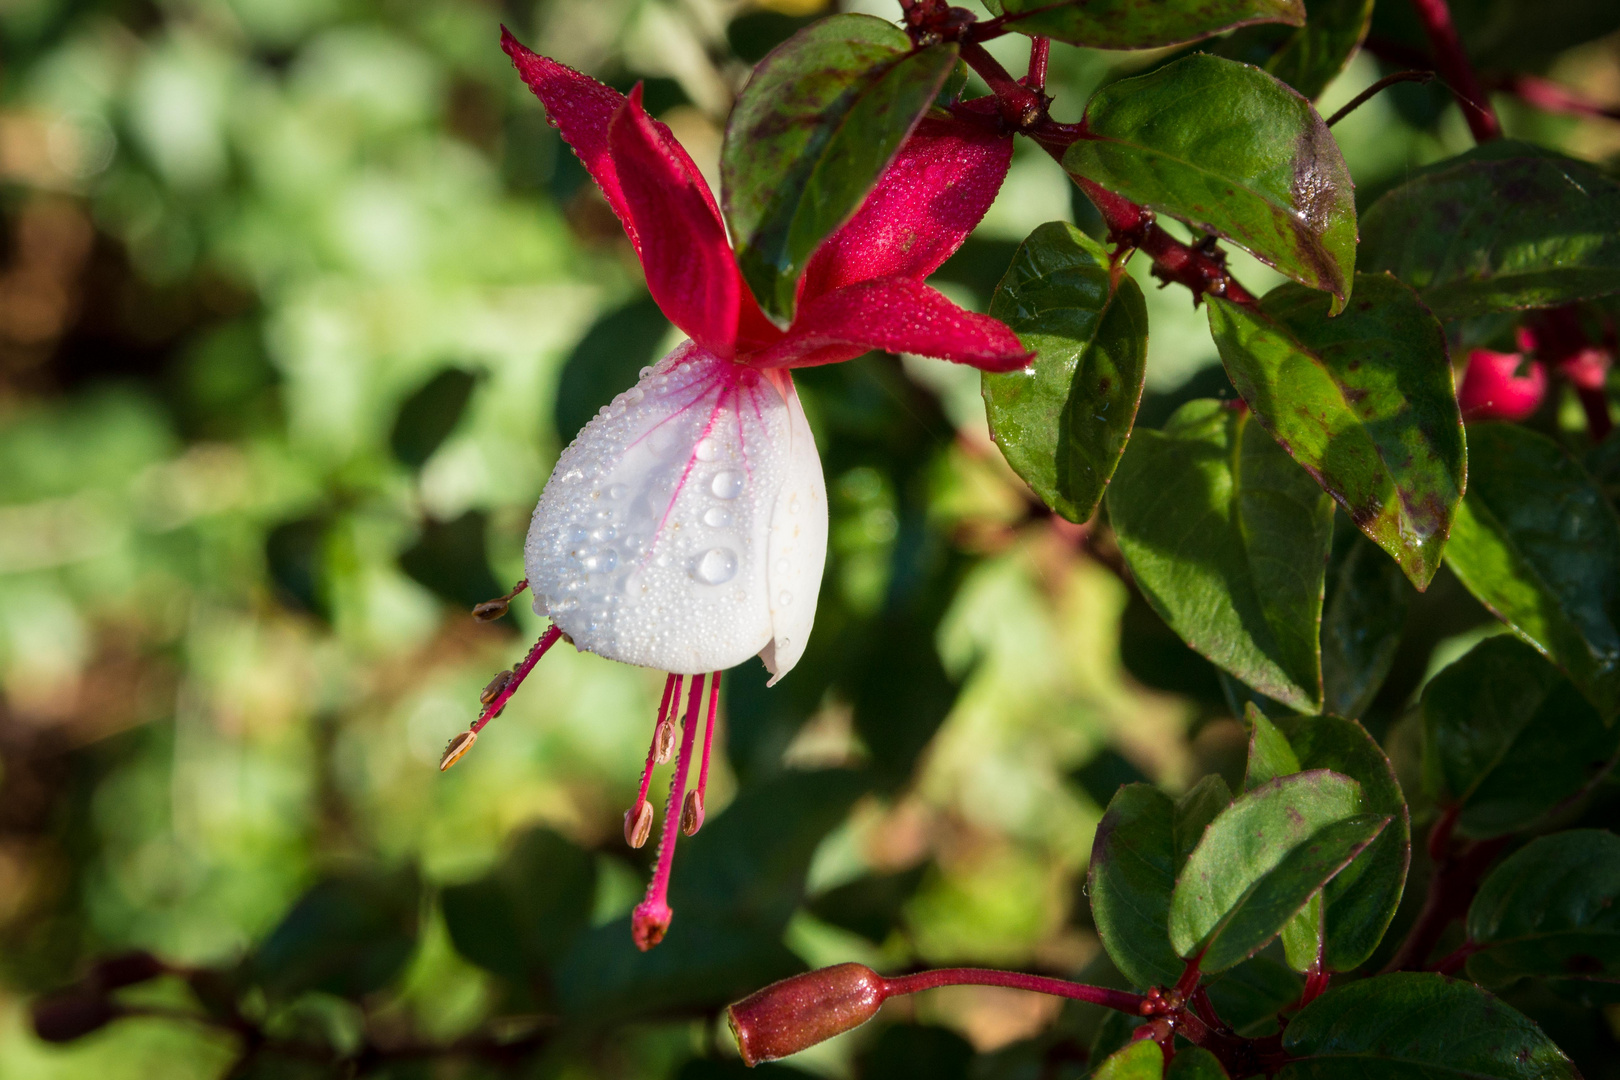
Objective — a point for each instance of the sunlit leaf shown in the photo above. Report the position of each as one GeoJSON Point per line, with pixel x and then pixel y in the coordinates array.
{"type": "Point", "coordinates": [1128, 24]}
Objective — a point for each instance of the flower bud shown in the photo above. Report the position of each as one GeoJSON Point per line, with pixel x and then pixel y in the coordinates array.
{"type": "Point", "coordinates": [69, 1016]}
{"type": "Point", "coordinates": [799, 1012]}
{"type": "Point", "coordinates": [458, 746]}
{"type": "Point", "coordinates": [692, 813]}
{"type": "Point", "coordinates": [638, 822]}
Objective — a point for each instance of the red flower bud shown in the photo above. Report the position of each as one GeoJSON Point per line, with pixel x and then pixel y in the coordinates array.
{"type": "Point", "coordinates": [797, 1013]}
{"type": "Point", "coordinates": [1492, 389]}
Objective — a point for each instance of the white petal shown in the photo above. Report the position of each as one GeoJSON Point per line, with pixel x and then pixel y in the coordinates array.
{"type": "Point", "coordinates": [798, 546]}
{"type": "Point", "coordinates": [650, 543]}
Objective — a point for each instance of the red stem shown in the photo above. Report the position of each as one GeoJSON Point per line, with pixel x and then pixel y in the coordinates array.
{"type": "Point", "coordinates": [708, 733]}
{"type": "Point", "coordinates": [1457, 874]}
{"type": "Point", "coordinates": [1039, 49]}
{"type": "Point", "coordinates": [1121, 1000]}
{"type": "Point", "coordinates": [1458, 72]}
{"type": "Point", "coordinates": [1455, 959]}
{"type": "Point", "coordinates": [1548, 96]}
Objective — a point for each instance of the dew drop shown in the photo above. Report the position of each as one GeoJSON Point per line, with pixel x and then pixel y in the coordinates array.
{"type": "Point", "coordinates": [716, 566]}
{"type": "Point", "coordinates": [643, 373]}
{"type": "Point", "coordinates": [717, 517]}
{"type": "Point", "coordinates": [576, 534]}
{"type": "Point", "coordinates": [572, 476]}
{"type": "Point", "coordinates": [600, 563]}
{"type": "Point", "coordinates": [617, 491]}
{"type": "Point", "coordinates": [784, 598]}
{"type": "Point", "coordinates": [603, 532]}
{"type": "Point", "coordinates": [634, 395]}
{"type": "Point", "coordinates": [706, 449]}
{"type": "Point", "coordinates": [727, 484]}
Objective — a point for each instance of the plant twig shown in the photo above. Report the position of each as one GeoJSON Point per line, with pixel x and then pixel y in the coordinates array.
{"type": "Point", "coordinates": [1549, 96]}
{"type": "Point", "coordinates": [1457, 874]}
{"type": "Point", "coordinates": [1368, 94]}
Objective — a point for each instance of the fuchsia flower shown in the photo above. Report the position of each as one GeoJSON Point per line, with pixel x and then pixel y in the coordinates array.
{"type": "Point", "coordinates": [1493, 389]}
{"type": "Point", "coordinates": [685, 528]}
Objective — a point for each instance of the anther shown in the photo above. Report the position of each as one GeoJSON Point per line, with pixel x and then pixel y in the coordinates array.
{"type": "Point", "coordinates": [496, 685]}
{"type": "Point", "coordinates": [490, 610]}
{"type": "Point", "coordinates": [663, 741]}
{"type": "Point", "coordinates": [638, 823]}
{"type": "Point", "coordinates": [458, 746]}
{"type": "Point", "coordinates": [691, 813]}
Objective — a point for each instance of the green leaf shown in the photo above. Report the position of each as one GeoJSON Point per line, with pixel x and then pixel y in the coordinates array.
{"type": "Point", "coordinates": [1508, 738]}
{"type": "Point", "coordinates": [869, 906]}
{"type": "Point", "coordinates": [819, 121]}
{"type": "Point", "coordinates": [1195, 1063]}
{"type": "Point", "coordinates": [1140, 1060]}
{"type": "Point", "coordinates": [1063, 420]}
{"type": "Point", "coordinates": [349, 935]}
{"type": "Point", "coordinates": [1302, 936]}
{"type": "Point", "coordinates": [1270, 756]}
{"type": "Point", "coordinates": [1451, 233]}
{"type": "Point", "coordinates": [1226, 147]}
{"type": "Point", "coordinates": [1365, 402]}
{"type": "Point", "coordinates": [1550, 909]}
{"type": "Point", "coordinates": [1201, 805]}
{"type": "Point", "coordinates": [1128, 24]}
{"type": "Point", "coordinates": [1261, 860]}
{"type": "Point", "coordinates": [1417, 1026]}
{"type": "Point", "coordinates": [1361, 627]}
{"type": "Point", "coordinates": [1310, 57]}
{"type": "Point", "coordinates": [1361, 901]}
{"type": "Point", "coordinates": [1249, 995]}
{"type": "Point", "coordinates": [1228, 539]}
{"type": "Point", "coordinates": [1132, 873]}
{"type": "Point", "coordinates": [1538, 544]}
{"type": "Point", "coordinates": [519, 919]}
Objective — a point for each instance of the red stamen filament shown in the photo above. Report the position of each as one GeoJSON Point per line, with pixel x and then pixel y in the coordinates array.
{"type": "Point", "coordinates": [672, 697]}
{"type": "Point", "coordinates": [463, 742]}
{"type": "Point", "coordinates": [652, 915]}
{"type": "Point", "coordinates": [692, 812]}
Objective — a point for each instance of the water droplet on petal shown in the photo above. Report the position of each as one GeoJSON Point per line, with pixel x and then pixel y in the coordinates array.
{"type": "Point", "coordinates": [784, 598]}
{"type": "Point", "coordinates": [617, 491]}
{"type": "Point", "coordinates": [717, 517]}
{"type": "Point", "coordinates": [716, 566]}
{"type": "Point", "coordinates": [706, 449]}
{"type": "Point", "coordinates": [727, 484]}
{"type": "Point", "coordinates": [602, 562]}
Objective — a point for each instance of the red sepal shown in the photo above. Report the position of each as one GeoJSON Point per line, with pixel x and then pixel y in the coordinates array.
{"type": "Point", "coordinates": [895, 314]}
{"type": "Point", "coordinates": [933, 194]}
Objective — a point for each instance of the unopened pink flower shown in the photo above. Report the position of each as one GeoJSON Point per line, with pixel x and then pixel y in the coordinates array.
{"type": "Point", "coordinates": [1493, 389]}
{"type": "Point", "coordinates": [685, 528]}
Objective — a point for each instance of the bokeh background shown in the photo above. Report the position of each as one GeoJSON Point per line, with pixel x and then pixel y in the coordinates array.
{"type": "Point", "coordinates": [299, 300]}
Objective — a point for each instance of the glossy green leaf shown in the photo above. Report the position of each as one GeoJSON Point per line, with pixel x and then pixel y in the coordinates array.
{"type": "Point", "coordinates": [1140, 1060]}
{"type": "Point", "coordinates": [1365, 402]}
{"type": "Point", "coordinates": [1143, 24]}
{"type": "Point", "coordinates": [1302, 936]}
{"type": "Point", "coordinates": [1270, 756]}
{"type": "Point", "coordinates": [519, 919]}
{"type": "Point", "coordinates": [349, 935]}
{"type": "Point", "coordinates": [1452, 233]}
{"type": "Point", "coordinates": [1261, 860]}
{"type": "Point", "coordinates": [1200, 805]}
{"type": "Point", "coordinates": [1360, 902]}
{"type": "Point", "coordinates": [1538, 544]}
{"type": "Point", "coordinates": [1309, 57]}
{"type": "Point", "coordinates": [1228, 539]}
{"type": "Point", "coordinates": [1226, 147]}
{"type": "Point", "coordinates": [1132, 873]}
{"type": "Point", "coordinates": [1508, 738]}
{"type": "Point", "coordinates": [1062, 421]}
{"type": "Point", "coordinates": [1417, 1026]}
{"type": "Point", "coordinates": [1550, 909]}
{"type": "Point", "coordinates": [1361, 626]}
{"type": "Point", "coordinates": [1195, 1063]}
{"type": "Point", "coordinates": [819, 121]}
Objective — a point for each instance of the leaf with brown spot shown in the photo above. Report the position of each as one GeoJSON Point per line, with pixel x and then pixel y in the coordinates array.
{"type": "Point", "coordinates": [1365, 402]}
{"type": "Point", "coordinates": [1143, 24]}
{"type": "Point", "coordinates": [1226, 147]}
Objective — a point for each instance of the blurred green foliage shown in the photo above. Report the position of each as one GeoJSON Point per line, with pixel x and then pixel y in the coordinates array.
{"type": "Point", "coordinates": [299, 301]}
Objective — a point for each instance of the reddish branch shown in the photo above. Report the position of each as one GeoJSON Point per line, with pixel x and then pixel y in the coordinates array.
{"type": "Point", "coordinates": [1457, 873]}
{"type": "Point", "coordinates": [1548, 96]}
{"type": "Point", "coordinates": [1131, 227]}
{"type": "Point", "coordinates": [1458, 72]}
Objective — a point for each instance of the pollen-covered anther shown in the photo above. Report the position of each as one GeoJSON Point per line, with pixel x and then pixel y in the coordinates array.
{"type": "Point", "coordinates": [638, 823]}
{"type": "Point", "coordinates": [692, 813]}
{"type": "Point", "coordinates": [496, 685]}
{"type": "Point", "coordinates": [457, 748]}
{"type": "Point", "coordinates": [490, 610]}
{"type": "Point", "coordinates": [663, 741]}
